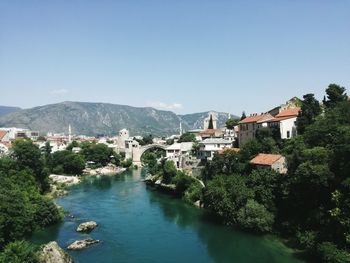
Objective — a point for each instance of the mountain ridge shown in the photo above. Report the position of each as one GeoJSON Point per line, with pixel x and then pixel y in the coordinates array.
{"type": "Point", "coordinates": [97, 118]}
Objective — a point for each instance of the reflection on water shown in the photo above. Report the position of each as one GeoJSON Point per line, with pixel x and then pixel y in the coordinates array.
{"type": "Point", "coordinates": [139, 225]}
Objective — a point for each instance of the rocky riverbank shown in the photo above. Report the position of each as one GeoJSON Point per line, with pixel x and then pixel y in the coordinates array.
{"type": "Point", "coordinates": [53, 253]}
{"type": "Point", "coordinates": [109, 169]}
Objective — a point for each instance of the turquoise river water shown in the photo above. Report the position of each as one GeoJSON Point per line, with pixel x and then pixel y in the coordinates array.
{"type": "Point", "coordinates": [138, 225]}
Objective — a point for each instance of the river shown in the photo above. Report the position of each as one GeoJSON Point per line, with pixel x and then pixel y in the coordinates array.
{"type": "Point", "coordinates": [138, 225]}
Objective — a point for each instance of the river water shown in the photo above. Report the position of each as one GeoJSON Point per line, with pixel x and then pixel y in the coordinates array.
{"type": "Point", "coordinates": [138, 225]}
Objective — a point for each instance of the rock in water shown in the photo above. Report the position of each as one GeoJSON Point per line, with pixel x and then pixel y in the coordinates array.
{"type": "Point", "coordinates": [87, 226]}
{"type": "Point", "coordinates": [52, 253]}
{"type": "Point", "coordinates": [81, 244]}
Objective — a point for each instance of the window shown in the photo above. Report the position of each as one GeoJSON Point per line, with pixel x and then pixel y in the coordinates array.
{"type": "Point", "coordinates": [288, 134]}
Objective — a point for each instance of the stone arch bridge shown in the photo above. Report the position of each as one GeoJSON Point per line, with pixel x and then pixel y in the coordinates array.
{"type": "Point", "coordinates": [137, 152]}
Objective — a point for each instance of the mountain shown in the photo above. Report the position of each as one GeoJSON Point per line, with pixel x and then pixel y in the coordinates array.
{"type": "Point", "coordinates": [6, 110]}
{"type": "Point", "coordinates": [102, 118]}
{"type": "Point", "coordinates": [195, 120]}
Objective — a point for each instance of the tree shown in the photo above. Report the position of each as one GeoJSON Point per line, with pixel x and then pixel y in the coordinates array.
{"type": "Point", "coordinates": [67, 162]}
{"type": "Point", "coordinates": [335, 94]}
{"type": "Point", "coordinates": [99, 153]}
{"type": "Point", "coordinates": [169, 171]}
{"type": "Point", "coordinates": [243, 116]}
{"type": "Point", "coordinates": [231, 123]}
{"type": "Point", "coordinates": [310, 109]}
{"type": "Point", "coordinates": [19, 252]}
{"type": "Point", "coordinates": [28, 155]}
{"type": "Point", "coordinates": [187, 137]}
{"type": "Point", "coordinates": [211, 125]}
{"type": "Point", "coordinates": [255, 217]}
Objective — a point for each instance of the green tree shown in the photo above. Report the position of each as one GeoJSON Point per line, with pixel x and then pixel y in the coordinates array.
{"type": "Point", "coordinates": [335, 94]}
{"type": "Point", "coordinates": [28, 155]}
{"type": "Point", "coordinates": [211, 125]}
{"type": "Point", "coordinates": [231, 123]}
{"type": "Point", "coordinates": [99, 153]}
{"type": "Point", "coordinates": [169, 171]}
{"type": "Point", "coordinates": [19, 252]}
{"type": "Point", "coordinates": [255, 217]}
{"type": "Point", "coordinates": [243, 116]}
{"type": "Point", "coordinates": [310, 109]}
{"type": "Point", "coordinates": [187, 137]}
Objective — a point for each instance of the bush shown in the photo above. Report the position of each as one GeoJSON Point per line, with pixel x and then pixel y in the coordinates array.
{"type": "Point", "coordinates": [193, 193]}
{"type": "Point", "coordinates": [19, 252]}
{"type": "Point", "coordinates": [329, 253]}
{"type": "Point", "coordinates": [255, 216]}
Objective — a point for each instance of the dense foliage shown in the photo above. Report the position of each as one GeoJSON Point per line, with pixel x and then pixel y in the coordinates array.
{"type": "Point", "coordinates": [22, 206]}
{"type": "Point", "coordinates": [187, 137]}
{"type": "Point", "coordinates": [311, 203]}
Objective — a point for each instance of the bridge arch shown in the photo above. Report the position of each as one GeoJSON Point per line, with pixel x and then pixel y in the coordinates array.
{"type": "Point", "coordinates": [138, 152]}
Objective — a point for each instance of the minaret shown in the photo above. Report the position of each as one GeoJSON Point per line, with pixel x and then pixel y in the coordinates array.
{"type": "Point", "coordinates": [69, 134]}
{"type": "Point", "coordinates": [180, 128]}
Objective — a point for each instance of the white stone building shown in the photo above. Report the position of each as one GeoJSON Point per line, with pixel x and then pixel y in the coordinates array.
{"type": "Point", "coordinates": [212, 145]}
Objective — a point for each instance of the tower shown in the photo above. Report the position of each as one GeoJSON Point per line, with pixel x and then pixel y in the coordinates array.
{"type": "Point", "coordinates": [180, 128]}
{"type": "Point", "coordinates": [69, 134]}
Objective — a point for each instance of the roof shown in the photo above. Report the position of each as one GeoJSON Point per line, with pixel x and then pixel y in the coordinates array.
{"type": "Point", "coordinates": [265, 159]}
{"type": "Point", "coordinates": [256, 118]}
{"type": "Point", "coordinates": [184, 146]}
{"type": "Point", "coordinates": [2, 134]}
{"type": "Point", "coordinates": [215, 141]}
{"type": "Point", "coordinates": [236, 150]}
{"type": "Point", "coordinates": [292, 112]}
{"type": "Point", "coordinates": [210, 131]}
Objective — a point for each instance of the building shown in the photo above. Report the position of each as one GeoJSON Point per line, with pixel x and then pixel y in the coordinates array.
{"type": "Point", "coordinates": [4, 136]}
{"type": "Point", "coordinates": [122, 139]}
{"type": "Point", "coordinates": [17, 133]}
{"type": "Point", "coordinates": [249, 126]}
{"type": "Point", "coordinates": [210, 146]}
{"type": "Point", "coordinates": [179, 153]}
{"type": "Point", "coordinates": [211, 133]}
{"type": "Point", "coordinates": [206, 121]}
{"type": "Point", "coordinates": [275, 162]}
{"type": "Point", "coordinates": [285, 121]}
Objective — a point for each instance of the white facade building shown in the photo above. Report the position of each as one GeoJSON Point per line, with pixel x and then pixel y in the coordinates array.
{"type": "Point", "coordinates": [212, 145]}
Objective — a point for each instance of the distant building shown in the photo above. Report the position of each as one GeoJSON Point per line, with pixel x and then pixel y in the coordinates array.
{"type": "Point", "coordinates": [285, 121]}
{"type": "Point", "coordinates": [249, 126]}
{"type": "Point", "coordinates": [275, 162]}
{"type": "Point", "coordinates": [212, 145]}
{"type": "Point", "coordinates": [179, 153]}
{"type": "Point", "coordinates": [206, 122]}
{"type": "Point", "coordinates": [18, 133]}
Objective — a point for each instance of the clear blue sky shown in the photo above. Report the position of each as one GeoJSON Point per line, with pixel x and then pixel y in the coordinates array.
{"type": "Point", "coordinates": [184, 55]}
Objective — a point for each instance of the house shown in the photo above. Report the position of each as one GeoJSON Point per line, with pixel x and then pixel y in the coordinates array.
{"type": "Point", "coordinates": [16, 133]}
{"type": "Point", "coordinates": [249, 126]}
{"type": "Point", "coordinates": [209, 146]}
{"type": "Point", "coordinates": [4, 136]}
{"type": "Point", "coordinates": [178, 153]}
{"type": "Point", "coordinates": [285, 121]}
{"type": "Point", "coordinates": [275, 162]}
{"type": "Point", "coordinates": [211, 133]}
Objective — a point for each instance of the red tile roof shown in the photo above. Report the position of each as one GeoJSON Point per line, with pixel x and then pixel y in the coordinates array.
{"type": "Point", "coordinates": [292, 112]}
{"type": "Point", "coordinates": [265, 159]}
{"type": "Point", "coordinates": [2, 134]}
{"type": "Point", "coordinates": [211, 131]}
{"type": "Point", "coordinates": [255, 118]}
{"type": "Point", "coordinates": [236, 150]}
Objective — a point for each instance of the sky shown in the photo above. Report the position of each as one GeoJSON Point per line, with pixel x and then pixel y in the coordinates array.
{"type": "Point", "coordinates": [180, 55]}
